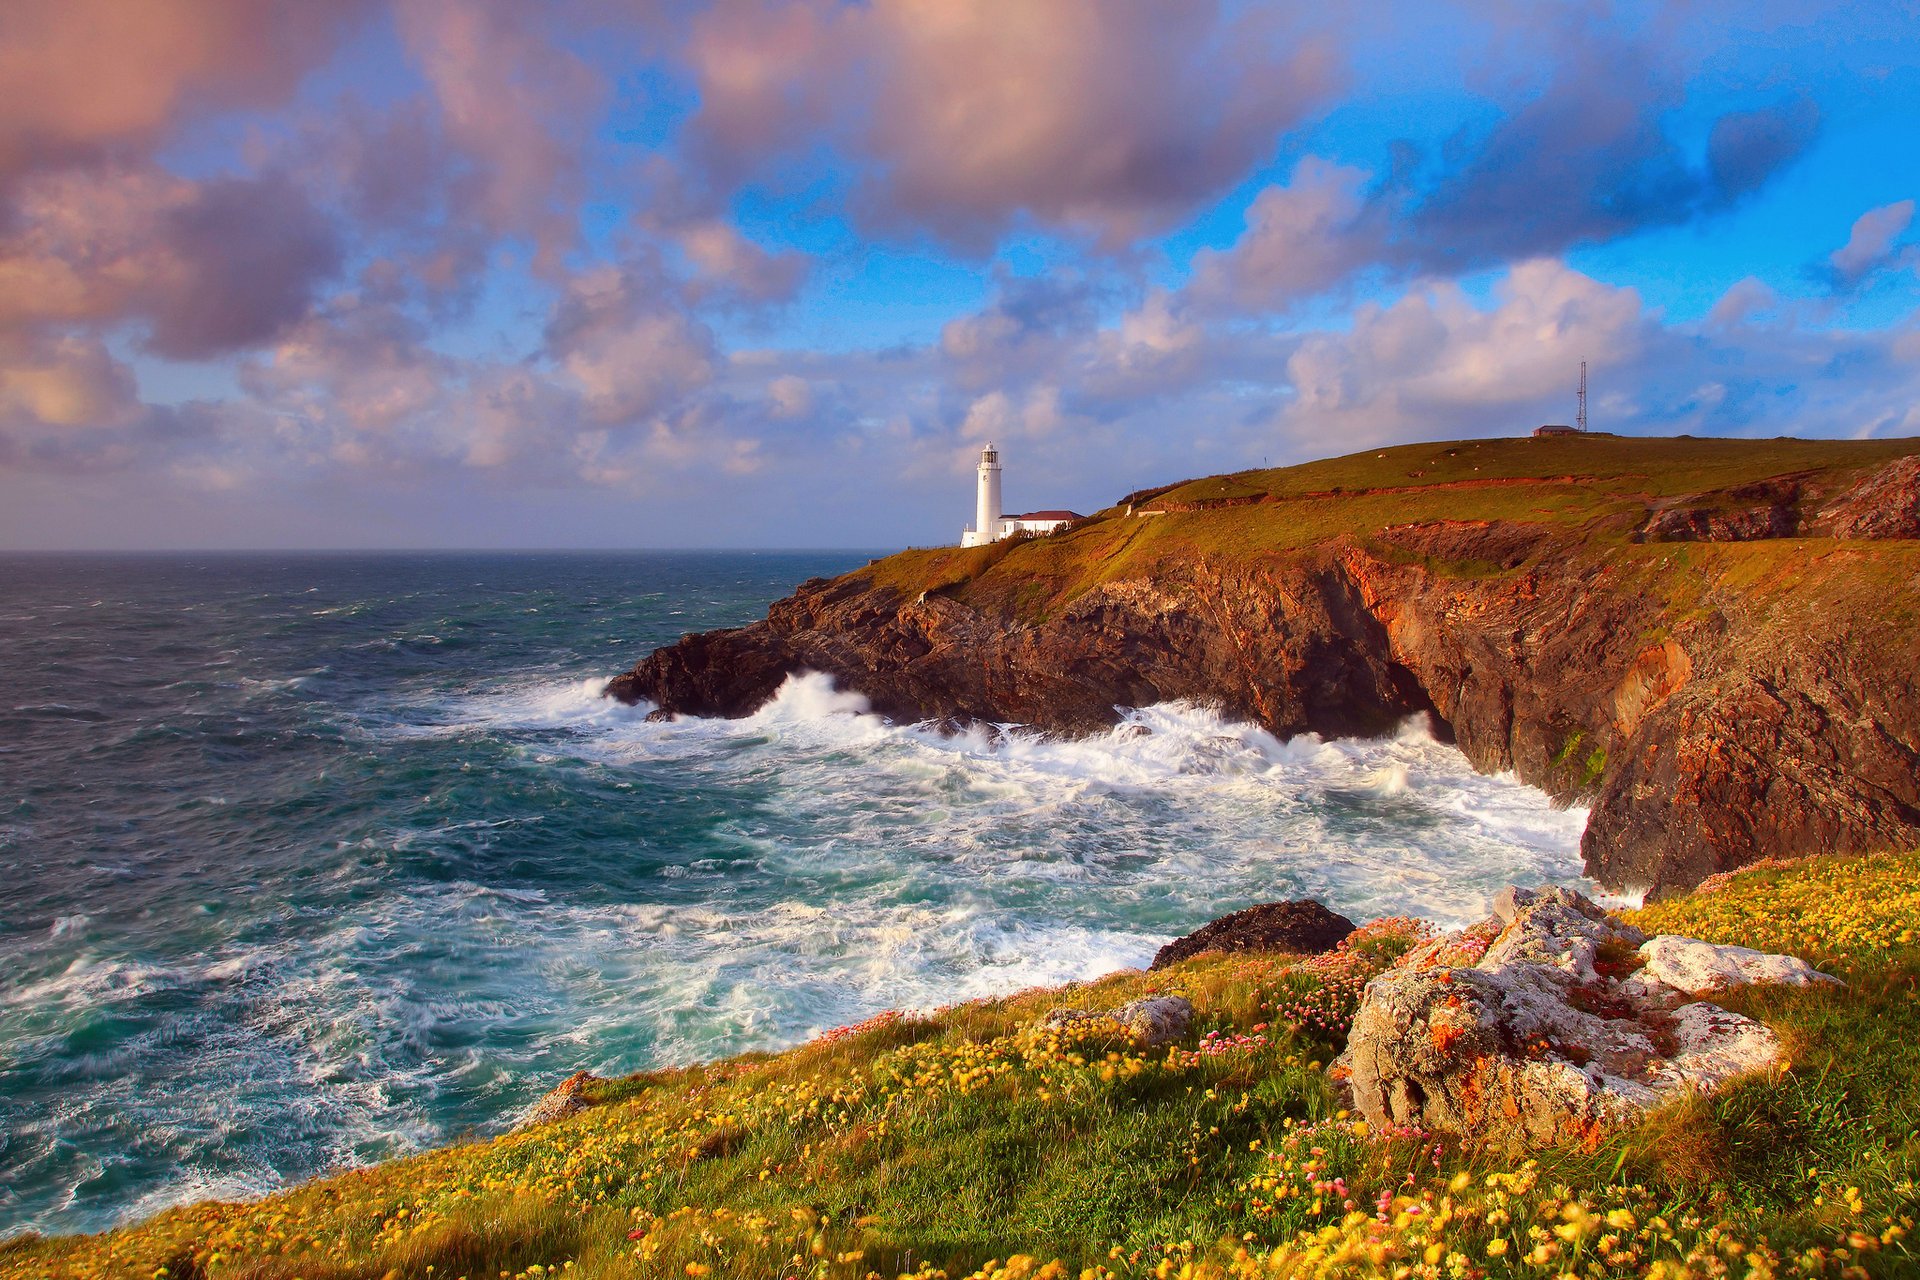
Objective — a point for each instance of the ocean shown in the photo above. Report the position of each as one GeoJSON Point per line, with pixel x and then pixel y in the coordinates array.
{"type": "Point", "coordinates": [313, 860]}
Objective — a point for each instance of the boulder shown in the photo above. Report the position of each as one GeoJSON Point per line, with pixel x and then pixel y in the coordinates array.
{"type": "Point", "coordinates": [1301, 925]}
{"type": "Point", "coordinates": [1552, 1023]}
{"type": "Point", "coordinates": [561, 1101]}
{"type": "Point", "coordinates": [1149, 1023]}
{"type": "Point", "coordinates": [1698, 968]}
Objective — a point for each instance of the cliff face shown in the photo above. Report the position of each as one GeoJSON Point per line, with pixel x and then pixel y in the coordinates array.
{"type": "Point", "coordinates": [1714, 703]}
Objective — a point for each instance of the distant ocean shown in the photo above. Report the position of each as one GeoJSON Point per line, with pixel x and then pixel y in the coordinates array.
{"type": "Point", "coordinates": [306, 861]}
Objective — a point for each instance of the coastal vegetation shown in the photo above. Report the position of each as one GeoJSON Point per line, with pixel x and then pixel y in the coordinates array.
{"type": "Point", "coordinates": [977, 1141]}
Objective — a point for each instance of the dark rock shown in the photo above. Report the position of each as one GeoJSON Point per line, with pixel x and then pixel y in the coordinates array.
{"type": "Point", "coordinates": [1301, 926]}
{"type": "Point", "coordinates": [1737, 725]}
{"type": "Point", "coordinates": [1708, 524]}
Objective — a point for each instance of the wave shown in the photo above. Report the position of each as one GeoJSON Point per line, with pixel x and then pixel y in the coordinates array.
{"type": "Point", "coordinates": [624, 892]}
{"type": "Point", "coordinates": [1385, 825]}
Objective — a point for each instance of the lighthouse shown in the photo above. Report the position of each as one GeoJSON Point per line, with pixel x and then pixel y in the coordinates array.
{"type": "Point", "coordinates": [986, 520]}
{"type": "Point", "coordinates": [990, 524]}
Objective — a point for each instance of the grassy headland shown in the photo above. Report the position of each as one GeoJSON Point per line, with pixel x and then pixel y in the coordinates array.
{"type": "Point", "coordinates": [1597, 486]}
{"type": "Point", "coordinates": [974, 1142]}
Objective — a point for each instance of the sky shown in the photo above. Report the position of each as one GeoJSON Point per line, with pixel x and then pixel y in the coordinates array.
{"type": "Point", "coordinates": [768, 273]}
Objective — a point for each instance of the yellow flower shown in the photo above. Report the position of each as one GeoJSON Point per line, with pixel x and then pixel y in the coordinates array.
{"type": "Point", "coordinates": [1496, 1247]}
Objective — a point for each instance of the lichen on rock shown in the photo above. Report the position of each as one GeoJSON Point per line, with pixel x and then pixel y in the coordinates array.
{"type": "Point", "coordinates": [1570, 1025]}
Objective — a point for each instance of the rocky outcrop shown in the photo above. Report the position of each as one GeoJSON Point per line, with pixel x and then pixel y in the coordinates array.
{"type": "Point", "coordinates": [1301, 926]}
{"type": "Point", "coordinates": [1150, 1023]}
{"type": "Point", "coordinates": [1884, 505]}
{"type": "Point", "coordinates": [564, 1099]}
{"type": "Point", "coordinates": [1709, 714]}
{"type": "Point", "coordinates": [1698, 968]}
{"type": "Point", "coordinates": [1553, 1024]}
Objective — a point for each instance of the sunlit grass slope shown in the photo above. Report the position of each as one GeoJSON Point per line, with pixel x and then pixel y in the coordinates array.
{"type": "Point", "coordinates": [1596, 489]}
{"type": "Point", "coordinates": [974, 1141]}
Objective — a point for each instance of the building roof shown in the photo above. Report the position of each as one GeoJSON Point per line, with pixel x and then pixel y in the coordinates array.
{"type": "Point", "coordinates": [1048, 515]}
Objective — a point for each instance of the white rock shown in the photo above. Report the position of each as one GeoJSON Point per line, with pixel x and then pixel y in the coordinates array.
{"type": "Point", "coordinates": [1538, 1040]}
{"type": "Point", "coordinates": [1703, 969]}
{"type": "Point", "coordinates": [1152, 1022]}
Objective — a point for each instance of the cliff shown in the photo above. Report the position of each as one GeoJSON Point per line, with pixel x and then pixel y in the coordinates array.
{"type": "Point", "coordinates": [1712, 643]}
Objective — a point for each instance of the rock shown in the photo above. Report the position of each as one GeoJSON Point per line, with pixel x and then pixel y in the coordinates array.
{"type": "Point", "coordinates": [1150, 1023]}
{"type": "Point", "coordinates": [1698, 968]}
{"type": "Point", "coordinates": [1707, 721]}
{"type": "Point", "coordinates": [1884, 505]}
{"type": "Point", "coordinates": [561, 1101]}
{"type": "Point", "coordinates": [1550, 1036]}
{"type": "Point", "coordinates": [1709, 524]}
{"type": "Point", "coordinates": [1302, 926]}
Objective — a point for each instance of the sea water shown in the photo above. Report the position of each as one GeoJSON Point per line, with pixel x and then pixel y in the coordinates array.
{"type": "Point", "coordinates": [308, 861]}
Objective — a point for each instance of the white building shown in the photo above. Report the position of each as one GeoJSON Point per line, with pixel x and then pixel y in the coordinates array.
{"type": "Point", "coordinates": [990, 524]}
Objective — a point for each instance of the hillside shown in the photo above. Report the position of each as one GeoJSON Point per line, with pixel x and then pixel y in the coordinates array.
{"type": "Point", "coordinates": [1711, 642]}
{"type": "Point", "coordinates": [975, 1141]}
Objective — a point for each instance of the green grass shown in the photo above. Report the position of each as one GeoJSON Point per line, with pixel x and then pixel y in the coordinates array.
{"type": "Point", "coordinates": [1577, 496]}
{"type": "Point", "coordinates": [974, 1141]}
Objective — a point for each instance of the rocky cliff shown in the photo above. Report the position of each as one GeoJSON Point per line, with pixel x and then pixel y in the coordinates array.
{"type": "Point", "coordinates": [1712, 643]}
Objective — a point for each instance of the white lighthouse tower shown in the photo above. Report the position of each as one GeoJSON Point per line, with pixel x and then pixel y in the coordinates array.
{"type": "Point", "coordinates": [990, 523]}
{"type": "Point", "coordinates": [986, 520]}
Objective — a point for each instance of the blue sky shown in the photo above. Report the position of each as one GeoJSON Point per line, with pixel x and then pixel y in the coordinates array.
{"type": "Point", "coordinates": [292, 273]}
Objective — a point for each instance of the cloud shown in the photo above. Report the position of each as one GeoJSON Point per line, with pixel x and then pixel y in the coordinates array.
{"type": "Point", "coordinates": [733, 270]}
{"type": "Point", "coordinates": [1747, 298]}
{"type": "Point", "coordinates": [514, 102]}
{"type": "Point", "coordinates": [353, 366]}
{"type": "Point", "coordinates": [1587, 159]}
{"type": "Point", "coordinates": [82, 80]}
{"type": "Point", "coordinates": [626, 344]}
{"type": "Point", "coordinates": [964, 117]}
{"type": "Point", "coordinates": [1872, 246]}
{"type": "Point", "coordinates": [205, 268]}
{"type": "Point", "coordinates": [64, 382]}
{"type": "Point", "coordinates": [1301, 238]}
{"type": "Point", "coordinates": [1434, 364]}
{"type": "Point", "coordinates": [1026, 330]}
{"type": "Point", "coordinates": [1746, 148]}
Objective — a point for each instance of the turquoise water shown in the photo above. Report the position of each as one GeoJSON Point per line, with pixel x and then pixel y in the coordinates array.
{"type": "Point", "coordinates": [315, 860]}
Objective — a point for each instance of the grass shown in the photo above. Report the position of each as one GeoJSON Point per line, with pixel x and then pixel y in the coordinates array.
{"type": "Point", "coordinates": [976, 1141]}
{"type": "Point", "coordinates": [1578, 496]}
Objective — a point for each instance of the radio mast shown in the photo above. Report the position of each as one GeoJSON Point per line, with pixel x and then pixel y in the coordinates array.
{"type": "Point", "coordinates": [1581, 421]}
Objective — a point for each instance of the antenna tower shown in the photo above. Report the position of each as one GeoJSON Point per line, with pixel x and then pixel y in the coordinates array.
{"type": "Point", "coordinates": [1581, 421]}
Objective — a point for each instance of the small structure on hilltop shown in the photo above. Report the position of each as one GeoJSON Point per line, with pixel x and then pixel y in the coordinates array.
{"type": "Point", "coordinates": [990, 524]}
{"type": "Point", "coordinates": [1580, 419]}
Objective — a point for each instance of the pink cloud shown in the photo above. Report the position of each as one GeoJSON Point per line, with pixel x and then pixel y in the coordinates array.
{"type": "Point", "coordinates": [1109, 120]}
{"type": "Point", "coordinates": [205, 268]}
{"type": "Point", "coordinates": [1433, 363]}
{"type": "Point", "coordinates": [80, 79]}
{"type": "Point", "coordinates": [625, 343]}
{"type": "Point", "coordinates": [1301, 238]}
{"type": "Point", "coordinates": [515, 103]}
